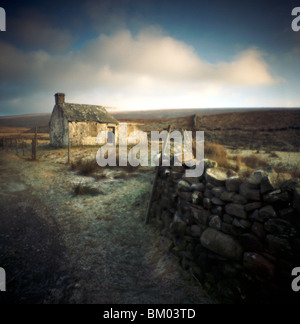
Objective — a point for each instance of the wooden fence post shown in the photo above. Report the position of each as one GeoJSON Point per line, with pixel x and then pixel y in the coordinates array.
{"type": "Point", "coordinates": [34, 143]}
{"type": "Point", "coordinates": [156, 176]}
{"type": "Point", "coordinates": [69, 149]}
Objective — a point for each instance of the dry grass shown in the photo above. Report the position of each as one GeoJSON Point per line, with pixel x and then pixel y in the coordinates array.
{"type": "Point", "coordinates": [217, 153]}
{"type": "Point", "coordinates": [85, 167]}
{"type": "Point", "coordinates": [293, 171]}
{"type": "Point", "coordinates": [81, 189]}
{"type": "Point", "coordinates": [254, 161]}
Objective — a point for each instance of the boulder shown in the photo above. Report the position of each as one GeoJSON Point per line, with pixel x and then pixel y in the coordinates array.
{"type": "Point", "coordinates": [236, 210]}
{"type": "Point", "coordinates": [248, 192]}
{"type": "Point", "coordinates": [221, 244]}
{"type": "Point", "coordinates": [258, 265]}
{"type": "Point", "coordinates": [218, 176]}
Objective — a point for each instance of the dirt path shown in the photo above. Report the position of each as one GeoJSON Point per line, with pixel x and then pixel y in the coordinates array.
{"type": "Point", "coordinates": [58, 247]}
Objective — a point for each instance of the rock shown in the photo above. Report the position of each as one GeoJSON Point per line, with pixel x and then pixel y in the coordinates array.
{"type": "Point", "coordinates": [227, 196]}
{"type": "Point", "coordinates": [276, 196]}
{"type": "Point", "coordinates": [267, 184]}
{"type": "Point", "coordinates": [295, 242]}
{"type": "Point", "coordinates": [236, 210]}
{"type": "Point", "coordinates": [239, 199]}
{"type": "Point", "coordinates": [166, 218]}
{"type": "Point", "coordinates": [280, 227]}
{"type": "Point", "coordinates": [217, 210]}
{"type": "Point", "coordinates": [255, 179]}
{"type": "Point", "coordinates": [217, 201]}
{"type": "Point", "coordinates": [296, 199]}
{"type": "Point", "coordinates": [207, 203]}
{"type": "Point", "coordinates": [185, 195]}
{"type": "Point", "coordinates": [221, 244]}
{"type": "Point", "coordinates": [249, 193]}
{"type": "Point", "coordinates": [197, 197]}
{"type": "Point", "coordinates": [252, 206]}
{"type": "Point", "coordinates": [266, 213]}
{"type": "Point", "coordinates": [200, 215]}
{"type": "Point", "coordinates": [227, 219]}
{"type": "Point", "coordinates": [231, 230]}
{"type": "Point", "coordinates": [196, 231]}
{"type": "Point", "coordinates": [210, 164]}
{"type": "Point", "coordinates": [289, 185]}
{"type": "Point", "coordinates": [258, 230]}
{"type": "Point", "coordinates": [217, 191]}
{"type": "Point", "coordinates": [286, 212]}
{"type": "Point", "coordinates": [277, 245]}
{"type": "Point", "coordinates": [258, 265]}
{"type": "Point", "coordinates": [178, 228]}
{"type": "Point", "coordinates": [215, 222]}
{"type": "Point", "coordinates": [183, 185]}
{"type": "Point", "coordinates": [233, 184]}
{"type": "Point", "coordinates": [198, 187]}
{"type": "Point", "coordinates": [241, 223]}
{"type": "Point", "coordinates": [251, 243]}
{"type": "Point", "coordinates": [218, 176]}
{"type": "Point", "coordinates": [207, 193]}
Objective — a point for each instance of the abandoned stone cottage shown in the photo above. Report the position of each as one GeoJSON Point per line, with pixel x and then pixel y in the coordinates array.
{"type": "Point", "coordinates": [79, 123]}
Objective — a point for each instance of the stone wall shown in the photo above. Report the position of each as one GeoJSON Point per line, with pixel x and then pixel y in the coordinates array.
{"type": "Point", "coordinates": [85, 133]}
{"type": "Point", "coordinates": [239, 238]}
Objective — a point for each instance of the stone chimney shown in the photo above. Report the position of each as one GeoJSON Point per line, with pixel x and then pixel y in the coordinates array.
{"type": "Point", "coordinates": [59, 98]}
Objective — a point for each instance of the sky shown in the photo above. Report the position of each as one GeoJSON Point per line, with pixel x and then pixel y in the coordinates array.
{"type": "Point", "coordinates": [149, 54]}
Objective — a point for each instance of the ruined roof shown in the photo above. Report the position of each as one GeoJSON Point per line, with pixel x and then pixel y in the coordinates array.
{"type": "Point", "coordinates": [81, 113]}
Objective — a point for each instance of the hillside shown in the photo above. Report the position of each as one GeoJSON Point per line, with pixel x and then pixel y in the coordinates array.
{"type": "Point", "coordinates": [33, 120]}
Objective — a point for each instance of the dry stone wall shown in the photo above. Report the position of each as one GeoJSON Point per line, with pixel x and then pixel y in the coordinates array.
{"type": "Point", "coordinates": [239, 238]}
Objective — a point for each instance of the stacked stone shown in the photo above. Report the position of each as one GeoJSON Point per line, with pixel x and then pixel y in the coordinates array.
{"type": "Point", "coordinates": [229, 232]}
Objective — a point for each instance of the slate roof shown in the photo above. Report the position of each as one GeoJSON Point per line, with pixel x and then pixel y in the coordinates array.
{"type": "Point", "coordinates": [82, 113]}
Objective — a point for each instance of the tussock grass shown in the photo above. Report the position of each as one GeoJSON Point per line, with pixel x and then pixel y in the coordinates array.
{"type": "Point", "coordinates": [85, 167]}
{"type": "Point", "coordinates": [218, 153]}
{"type": "Point", "coordinates": [254, 161]}
{"type": "Point", "coordinates": [81, 189]}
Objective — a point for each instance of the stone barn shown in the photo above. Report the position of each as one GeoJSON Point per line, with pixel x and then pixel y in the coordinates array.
{"type": "Point", "coordinates": [80, 123]}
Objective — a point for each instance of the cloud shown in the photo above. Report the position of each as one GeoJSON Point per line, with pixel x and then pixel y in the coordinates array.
{"type": "Point", "coordinates": [149, 69]}
{"type": "Point", "coordinates": [34, 30]}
